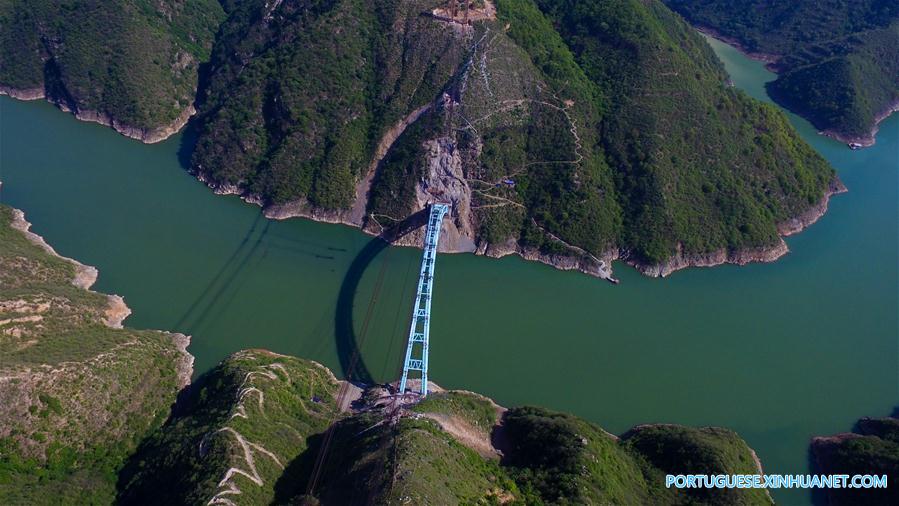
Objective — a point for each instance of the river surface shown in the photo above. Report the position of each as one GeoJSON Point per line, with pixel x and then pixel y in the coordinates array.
{"type": "Point", "coordinates": [778, 352]}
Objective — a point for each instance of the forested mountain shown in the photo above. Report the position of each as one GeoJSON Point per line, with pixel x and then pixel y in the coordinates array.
{"type": "Point", "coordinates": [254, 431]}
{"type": "Point", "coordinates": [573, 132]}
{"type": "Point", "coordinates": [575, 128]}
{"type": "Point", "coordinates": [837, 59]}
{"type": "Point", "coordinates": [131, 64]}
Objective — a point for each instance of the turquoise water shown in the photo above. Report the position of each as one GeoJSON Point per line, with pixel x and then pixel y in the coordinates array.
{"type": "Point", "coordinates": [778, 352]}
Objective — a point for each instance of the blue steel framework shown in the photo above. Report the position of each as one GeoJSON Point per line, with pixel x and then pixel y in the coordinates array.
{"type": "Point", "coordinates": [421, 313]}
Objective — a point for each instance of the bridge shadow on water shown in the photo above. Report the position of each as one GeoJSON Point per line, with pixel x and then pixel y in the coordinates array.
{"type": "Point", "coordinates": [348, 343]}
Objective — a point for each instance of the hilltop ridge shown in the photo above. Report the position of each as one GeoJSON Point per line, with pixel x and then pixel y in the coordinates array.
{"type": "Point", "coordinates": [132, 65]}
{"type": "Point", "coordinates": [269, 432]}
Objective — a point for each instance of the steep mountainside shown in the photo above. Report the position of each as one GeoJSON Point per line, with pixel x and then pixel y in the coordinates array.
{"type": "Point", "coordinates": [566, 460]}
{"type": "Point", "coordinates": [77, 392]}
{"type": "Point", "coordinates": [873, 448]}
{"type": "Point", "coordinates": [411, 461]}
{"type": "Point", "coordinates": [234, 433]}
{"type": "Point", "coordinates": [230, 441]}
{"type": "Point", "coordinates": [571, 132]}
{"type": "Point", "coordinates": [130, 64]}
{"type": "Point", "coordinates": [837, 59]}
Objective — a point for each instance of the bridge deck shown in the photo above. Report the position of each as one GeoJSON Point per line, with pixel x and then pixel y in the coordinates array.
{"type": "Point", "coordinates": [421, 314]}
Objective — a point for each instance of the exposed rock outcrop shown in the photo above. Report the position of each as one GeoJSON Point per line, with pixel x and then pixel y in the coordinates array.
{"type": "Point", "coordinates": [146, 135]}
{"type": "Point", "coordinates": [867, 140]}
{"type": "Point", "coordinates": [744, 256]}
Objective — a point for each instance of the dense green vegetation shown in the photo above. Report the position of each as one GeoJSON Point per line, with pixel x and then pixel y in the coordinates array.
{"type": "Point", "coordinates": [421, 455]}
{"type": "Point", "coordinates": [567, 127]}
{"type": "Point", "coordinates": [706, 450]}
{"type": "Point", "coordinates": [838, 64]}
{"type": "Point", "coordinates": [76, 396]}
{"type": "Point", "coordinates": [698, 165]}
{"type": "Point", "coordinates": [842, 85]}
{"type": "Point", "coordinates": [565, 460]}
{"type": "Point", "coordinates": [299, 97]}
{"type": "Point", "coordinates": [551, 458]}
{"type": "Point", "coordinates": [602, 125]}
{"type": "Point", "coordinates": [872, 449]}
{"type": "Point", "coordinates": [412, 462]}
{"type": "Point", "coordinates": [136, 61]}
{"type": "Point", "coordinates": [254, 413]}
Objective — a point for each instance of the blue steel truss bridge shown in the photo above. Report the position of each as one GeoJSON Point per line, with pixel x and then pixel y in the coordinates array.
{"type": "Point", "coordinates": [419, 330]}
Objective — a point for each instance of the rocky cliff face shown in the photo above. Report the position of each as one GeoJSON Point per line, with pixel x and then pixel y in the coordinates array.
{"type": "Point", "coordinates": [514, 116]}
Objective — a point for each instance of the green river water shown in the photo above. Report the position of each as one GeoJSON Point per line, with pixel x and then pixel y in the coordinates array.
{"type": "Point", "coordinates": [778, 352]}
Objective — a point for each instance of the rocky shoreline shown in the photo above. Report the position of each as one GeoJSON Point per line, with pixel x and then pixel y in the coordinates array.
{"type": "Point", "coordinates": [748, 255]}
{"type": "Point", "coordinates": [28, 94]}
{"type": "Point", "coordinates": [600, 268]}
{"type": "Point", "coordinates": [868, 139]}
{"type": "Point", "coordinates": [770, 60]}
{"type": "Point", "coordinates": [185, 366]}
{"type": "Point", "coordinates": [582, 262]}
{"type": "Point", "coordinates": [85, 275]}
{"type": "Point", "coordinates": [145, 135]}
{"type": "Point", "coordinates": [453, 242]}
{"type": "Point", "coordinates": [117, 310]}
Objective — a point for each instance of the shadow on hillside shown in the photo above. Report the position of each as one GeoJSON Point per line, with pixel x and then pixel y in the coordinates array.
{"type": "Point", "coordinates": [292, 484]}
{"type": "Point", "coordinates": [163, 470]}
{"type": "Point", "coordinates": [191, 131]}
{"type": "Point", "coordinates": [188, 144]}
{"type": "Point", "coordinates": [351, 361]}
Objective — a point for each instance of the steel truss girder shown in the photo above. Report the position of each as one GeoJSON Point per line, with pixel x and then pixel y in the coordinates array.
{"type": "Point", "coordinates": [421, 314]}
